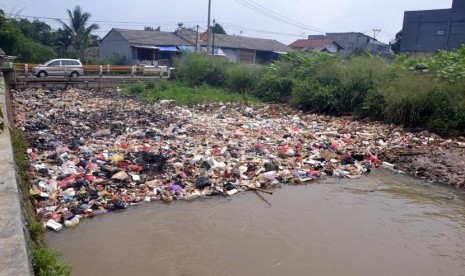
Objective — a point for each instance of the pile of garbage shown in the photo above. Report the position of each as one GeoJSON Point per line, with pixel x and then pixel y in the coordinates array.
{"type": "Point", "coordinates": [94, 152]}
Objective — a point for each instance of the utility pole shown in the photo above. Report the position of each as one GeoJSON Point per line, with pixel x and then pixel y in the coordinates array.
{"type": "Point", "coordinates": [208, 26]}
{"type": "Point", "coordinates": [197, 40]}
{"type": "Point", "coordinates": [213, 34]}
{"type": "Point", "coordinates": [375, 33]}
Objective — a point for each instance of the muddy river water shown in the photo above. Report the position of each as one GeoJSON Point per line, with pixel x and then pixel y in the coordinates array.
{"type": "Point", "coordinates": [330, 227]}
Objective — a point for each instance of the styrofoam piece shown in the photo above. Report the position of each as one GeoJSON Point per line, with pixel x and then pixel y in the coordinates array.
{"type": "Point", "coordinates": [55, 226]}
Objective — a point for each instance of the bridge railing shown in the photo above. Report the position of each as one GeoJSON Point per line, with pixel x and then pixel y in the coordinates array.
{"type": "Point", "coordinates": [89, 69]}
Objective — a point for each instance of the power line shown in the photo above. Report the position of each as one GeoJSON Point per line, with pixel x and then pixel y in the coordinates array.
{"type": "Point", "coordinates": [141, 23]}
{"type": "Point", "coordinates": [260, 9]}
{"type": "Point", "coordinates": [287, 18]}
{"type": "Point", "coordinates": [103, 21]}
{"type": "Point", "coordinates": [257, 30]}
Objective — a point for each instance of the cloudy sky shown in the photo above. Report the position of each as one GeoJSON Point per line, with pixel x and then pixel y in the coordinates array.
{"type": "Point", "coordinates": [284, 21]}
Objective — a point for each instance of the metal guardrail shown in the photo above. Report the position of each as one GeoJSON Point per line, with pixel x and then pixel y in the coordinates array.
{"type": "Point", "coordinates": [26, 69]}
{"type": "Point", "coordinates": [95, 76]}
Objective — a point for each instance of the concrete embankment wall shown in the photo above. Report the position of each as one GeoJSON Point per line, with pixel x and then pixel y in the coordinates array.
{"type": "Point", "coordinates": [15, 256]}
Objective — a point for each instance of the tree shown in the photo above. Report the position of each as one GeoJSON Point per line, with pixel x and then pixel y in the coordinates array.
{"type": "Point", "coordinates": [395, 47]}
{"type": "Point", "coordinates": [77, 32]}
{"type": "Point", "coordinates": [148, 28]}
{"type": "Point", "coordinates": [218, 29]}
{"type": "Point", "coordinates": [181, 27]}
{"type": "Point", "coordinates": [14, 42]}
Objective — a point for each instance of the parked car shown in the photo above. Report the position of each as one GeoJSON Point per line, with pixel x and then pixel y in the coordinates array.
{"type": "Point", "coordinates": [59, 67]}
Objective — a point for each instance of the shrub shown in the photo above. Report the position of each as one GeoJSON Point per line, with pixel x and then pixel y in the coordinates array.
{"type": "Point", "coordinates": [408, 100]}
{"type": "Point", "coordinates": [374, 106]}
{"type": "Point", "coordinates": [274, 89]}
{"type": "Point", "coordinates": [113, 59]}
{"type": "Point", "coordinates": [47, 263]}
{"type": "Point", "coordinates": [194, 70]}
{"type": "Point", "coordinates": [241, 79]}
{"type": "Point", "coordinates": [314, 97]}
{"type": "Point", "coordinates": [448, 111]}
{"type": "Point", "coordinates": [329, 74]}
{"type": "Point", "coordinates": [137, 88]}
{"type": "Point", "coordinates": [303, 66]}
{"type": "Point", "coordinates": [360, 76]}
{"type": "Point", "coordinates": [150, 85]}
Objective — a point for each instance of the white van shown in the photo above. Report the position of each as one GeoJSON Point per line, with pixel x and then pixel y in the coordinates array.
{"type": "Point", "coordinates": [59, 67]}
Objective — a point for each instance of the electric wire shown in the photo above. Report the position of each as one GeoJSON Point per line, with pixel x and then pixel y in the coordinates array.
{"type": "Point", "coordinates": [276, 17]}
{"type": "Point", "coordinates": [285, 17]}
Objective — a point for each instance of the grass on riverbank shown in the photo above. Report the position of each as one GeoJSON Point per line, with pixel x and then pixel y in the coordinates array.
{"type": "Point", "coordinates": [416, 92]}
{"type": "Point", "coordinates": [45, 261]}
{"type": "Point", "coordinates": [183, 95]}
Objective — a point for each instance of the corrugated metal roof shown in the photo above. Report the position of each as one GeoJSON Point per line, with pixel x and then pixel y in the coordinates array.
{"type": "Point", "coordinates": [151, 37]}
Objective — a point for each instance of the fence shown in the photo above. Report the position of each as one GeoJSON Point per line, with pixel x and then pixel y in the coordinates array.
{"type": "Point", "coordinates": [27, 69]}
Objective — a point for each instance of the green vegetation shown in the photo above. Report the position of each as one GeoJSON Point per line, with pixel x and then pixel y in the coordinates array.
{"type": "Point", "coordinates": [36, 42]}
{"type": "Point", "coordinates": [15, 42]}
{"type": "Point", "coordinates": [78, 32]}
{"type": "Point", "coordinates": [114, 59]}
{"type": "Point", "coordinates": [45, 261]}
{"type": "Point", "coordinates": [194, 70]}
{"type": "Point", "coordinates": [202, 79]}
{"type": "Point", "coordinates": [183, 95]}
{"type": "Point", "coordinates": [426, 92]}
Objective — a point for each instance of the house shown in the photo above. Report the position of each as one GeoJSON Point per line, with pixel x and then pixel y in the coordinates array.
{"type": "Point", "coordinates": [431, 30]}
{"type": "Point", "coordinates": [160, 48]}
{"type": "Point", "coordinates": [355, 41]}
{"type": "Point", "coordinates": [317, 45]}
{"type": "Point", "coordinates": [142, 47]}
{"type": "Point", "coordinates": [242, 49]}
{"type": "Point", "coordinates": [342, 43]}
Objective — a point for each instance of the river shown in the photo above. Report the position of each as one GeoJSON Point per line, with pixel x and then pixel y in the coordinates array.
{"type": "Point", "coordinates": [381, 224]}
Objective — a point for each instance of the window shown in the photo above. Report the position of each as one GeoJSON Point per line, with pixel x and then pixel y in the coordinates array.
{"type": "Point", "coordinates": [66, 62]}
{"type": "Point", "coordinates": [55, 63]}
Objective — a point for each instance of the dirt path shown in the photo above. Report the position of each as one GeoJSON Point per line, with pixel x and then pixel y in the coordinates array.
{"type": "Point", "coordinates": [442, 163]}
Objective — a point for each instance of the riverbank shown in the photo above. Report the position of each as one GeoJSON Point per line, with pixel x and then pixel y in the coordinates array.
{"type": "Point", "coordinates": [94, 152]}
{"type": "Point", "coordinates": [442, 163]}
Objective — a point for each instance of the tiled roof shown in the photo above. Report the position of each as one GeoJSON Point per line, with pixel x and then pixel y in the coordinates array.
{"type": "Point", "coordinates": [187, 37]}
{"type": "Point", "coordinates": [311, 43]}
{"type": "Point", "coordinates": [151, 37]}
{"type": "Point", "coordinates": [239, 42]}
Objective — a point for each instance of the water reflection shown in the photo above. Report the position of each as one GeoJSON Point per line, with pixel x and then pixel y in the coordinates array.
{"type": "Point", "coordinates": [334, 227]}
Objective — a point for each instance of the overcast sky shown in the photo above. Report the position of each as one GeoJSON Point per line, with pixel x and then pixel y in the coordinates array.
{"type": "Point", "coordinates": [284, 21]}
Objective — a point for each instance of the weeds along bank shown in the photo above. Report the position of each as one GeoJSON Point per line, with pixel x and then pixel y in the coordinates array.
{"type": "Point", "coordinates": [416, 92]}
{"type": "Point", "coordinates": [45, 261]}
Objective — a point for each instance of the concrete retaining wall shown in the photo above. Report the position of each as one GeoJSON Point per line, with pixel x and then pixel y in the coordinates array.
{"type": "Point", "coordinates": [14, 254]}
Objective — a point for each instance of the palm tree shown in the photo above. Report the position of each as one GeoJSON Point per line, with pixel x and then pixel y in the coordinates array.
{"type": "Point", "coordinates": [77, 32]}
